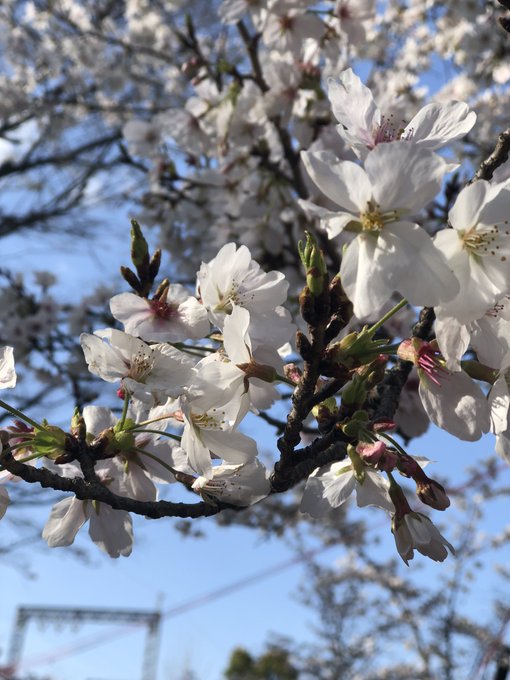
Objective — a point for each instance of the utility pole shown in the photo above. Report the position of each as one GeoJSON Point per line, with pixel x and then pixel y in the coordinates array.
{"type": "Point", "coordinates": [72, 615]}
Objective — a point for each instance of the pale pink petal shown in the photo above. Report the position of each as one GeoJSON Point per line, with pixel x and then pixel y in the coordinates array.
{"type": "Point", "coordinates": [437, 124]}
{"type": "Point", "coordinates": [111, 530]}
{"type": "Point", "coordinates": [345, 183]}
{"type": "Point", "coordinates": [404, 177]}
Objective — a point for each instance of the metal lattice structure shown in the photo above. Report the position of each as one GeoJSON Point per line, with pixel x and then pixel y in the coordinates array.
{"type": "Point", "coordinates": [74, 616]}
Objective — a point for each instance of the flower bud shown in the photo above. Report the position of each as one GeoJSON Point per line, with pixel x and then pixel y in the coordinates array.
{"type": "Point", "coordinates": [139, 249]}
{"type": "Point", "coordinates": [354, 392]}
{"type": "Point", "coordinates": [433, 494]}
{"type": "Point", "coordinates": [303, 346]}
{"type": "Point", "coordinates": [78, 427]}
{"type": "Point", "coordinates": [313, 261]}
{"type": "Point", "coordinates": [378, 455]}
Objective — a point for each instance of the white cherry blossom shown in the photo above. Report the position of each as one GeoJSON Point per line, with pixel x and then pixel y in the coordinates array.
{"type": "Point", "coordinates": [144, 370]}
{"type": "Point", "coordinates": [477, 250]}
{"type": "Point", "coordinates": [111, 530]}
{"type": "Point", "coordinates": [173, 317]}
{"type": "Point", "coordinates": [330, 486]}
{"type": "Point", "coordinates": [235, 484]}
{"type": "Point", "coordinates": [363, 125]}
{"type": "Point", "coordinates": [232, 277]}
{"type": "Point", "coordinates": [452, 400]}
{"type": "Point", "coordinates": [389, 252]}
{"type": "Point", "coordinates": [254, 363]}
{"type": "Point", "coordinates": [415, 531]}
{"type": "Point", "coordinates": [209, 431]}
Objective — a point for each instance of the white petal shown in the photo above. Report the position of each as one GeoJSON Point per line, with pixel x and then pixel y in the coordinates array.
{"type": "Point", "coordinates": [7, 370]}
{"type": "Point", "coordinates": [453, 339]}
{"type": "Point", "coordinates": [198, 454]}
{"type": "Point", "coordinates": [232, 446]}
{"type": "Point", "coordinates": [345, 183]}
{"type": "Point", "coordinates": [427, 279]}
{"type": "Point", "coordinates": [437, 124]}
{"type": "Point", "coordinates": [457, 405]}
{"type": "Point", "coordinates": [499, 403]}
{"type": "Point", "coordinates": [468, 205]}
{"type": "Point", "coordinates": [374, 492]}
{"type": "Point", "coordinates": [363, 276]}
{"type": "Point", "coordinates": [404, 177]}
{"type": "Point", "coordinates": [65, 520]}
{"type": "Point", "coordinates": [353, 106]}
{"type": "Point", "coordinates": [111, 530]}
{"type": "Point", "coordinates": [235, 335]}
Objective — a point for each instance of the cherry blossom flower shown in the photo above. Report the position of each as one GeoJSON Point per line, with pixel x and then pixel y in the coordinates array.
{"type": "Point", "coordinates": [209, 431]}
{"type": "Point", "coordinates": [257, 366]}
{"type": "Point", "coordinates": [111, 530]}
{"type": "Point", "coordinates": [232, 277]}
{"type": "Point", "coordinates": [488, 335]}
{"type": "Point", "coordinates": [143, 457]}
{"type": "Point", "coordinates": [235, 484]}
{"type": "Point", "coordinates": [330, 486]}
{"type": "Point", "coordinates": [173, 317]}
{"type": "Point", "coordinates": [477, 250]}
{"type": "Point", "coordinates": [143, 369]}
{"type": "Point", "coordinates": [389, 252]}
{"type": "Point", "coordinates": [452, 400]}
{"type": "Point", "coordinates": [353, 16]}
{"type": "Point", "coordinates": [287, 25]}
{"type": "Point", "coordinates": [363, 125]}
{"type": "Point", "coordinates": [416, 531]}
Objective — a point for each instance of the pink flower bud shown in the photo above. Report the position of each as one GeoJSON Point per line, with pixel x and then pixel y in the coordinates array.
{"type": "Point", "coordinates": [378, 455]}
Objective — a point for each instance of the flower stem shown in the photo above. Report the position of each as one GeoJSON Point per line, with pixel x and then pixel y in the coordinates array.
{"type": "Point", "coordinates": [20, 415]}
{"type": "Point", "coordinates": [124, 411]}
{"type": "Point", "coordinates": [387, 316]}
{"type": "Point", "coordinates": [285, 380]}
{"type": "Point", "coordinates": [158, 432]}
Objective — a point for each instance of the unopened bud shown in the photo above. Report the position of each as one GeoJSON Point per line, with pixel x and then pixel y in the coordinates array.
{"type": "Point", "coordinates": [354, 392]}
{"type": "Point", "coordinates": [130, 277]}
{"type": "Point", "coordinates": [78, 427]}
{"type": "Point", "coordinates": [139, 249]}
{"type": "Point", "coordinates": [303, 346]}
{"type": "Point", "coordinates": [378, 455]}
{"type": "Point", "coordinates": [154, 264]}
{"type": "Point", "coordinates": [433, 494]}
{"type": "Point", "coordinates": [313, 261]}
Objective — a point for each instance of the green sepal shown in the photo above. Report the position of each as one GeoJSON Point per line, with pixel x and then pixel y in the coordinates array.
{"type": "Point", "coordinates": [50, 441]}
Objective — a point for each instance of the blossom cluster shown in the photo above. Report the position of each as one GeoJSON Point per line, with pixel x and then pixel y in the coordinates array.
{"type": "Point", "coordinates": [189, 368]}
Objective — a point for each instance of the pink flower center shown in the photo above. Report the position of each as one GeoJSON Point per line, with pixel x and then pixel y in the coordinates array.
{"type": "Point", "coordinates": [163, 310]}
{"type": "Point", "coordinates": [387, 132]}
{"type": "Point", "coordinates": [431, 363]}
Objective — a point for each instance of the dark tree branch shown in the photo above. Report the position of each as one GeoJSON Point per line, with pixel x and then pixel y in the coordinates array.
{"type": "Point", "coordinates": [497, 158]}
{"type": "Point", "coordinates": [94, 490]}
